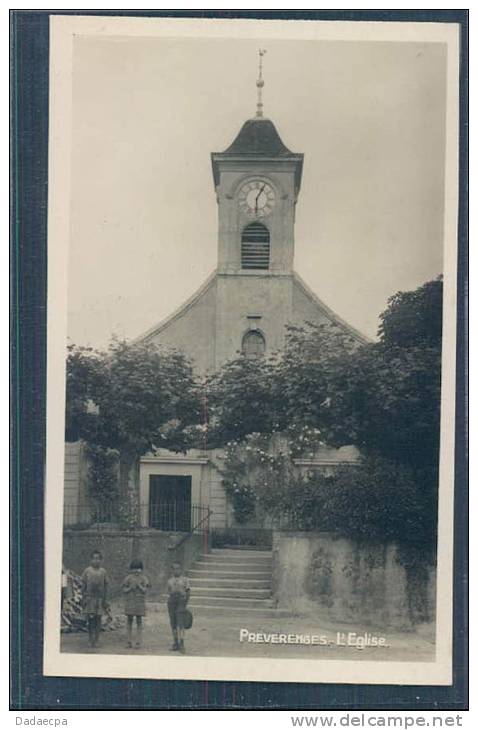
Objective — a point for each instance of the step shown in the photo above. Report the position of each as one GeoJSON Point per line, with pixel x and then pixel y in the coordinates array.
{"type": "Point", "coordinates": [206, 575]}
{"type": "Point", "coordinates": [235, 564]}
{"type": "Point", "coordinates": [233, 552]}
{"type": "Point", "coordinates": [223, 567]}
{"type": "Point", "coordinates": [231, 592]}
{"type": "Point", "coordinates": [249, 570]}
{"type": "Point", "coordinates": [207, 611]}
{"type": "Point", "coordinates": [232, 603]}
{"type": "Point", "coordinates": [238, 557]}
{"type": "Point", "coordinates": [227, 583]}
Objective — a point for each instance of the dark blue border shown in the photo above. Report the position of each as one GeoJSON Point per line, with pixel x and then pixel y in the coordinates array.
{"type": "Point", "coordinates": [29, 689]}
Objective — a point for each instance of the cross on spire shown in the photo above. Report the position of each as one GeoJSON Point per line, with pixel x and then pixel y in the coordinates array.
{"type": "Point", "coordinates": [260, 84]}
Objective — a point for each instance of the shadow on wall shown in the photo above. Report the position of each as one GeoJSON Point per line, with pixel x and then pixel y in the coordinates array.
{"type": "Point", "coordinates": [339, 580]}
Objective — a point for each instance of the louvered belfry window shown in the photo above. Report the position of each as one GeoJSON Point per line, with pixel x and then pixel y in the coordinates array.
{"type": "Point", "coordinates": [255, 247]}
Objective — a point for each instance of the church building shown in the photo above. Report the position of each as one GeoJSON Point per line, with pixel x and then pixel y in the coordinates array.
{"type": "Point", "coordinates": [246, 302]}
{"type": "Point", "coordinates": [244, 305]}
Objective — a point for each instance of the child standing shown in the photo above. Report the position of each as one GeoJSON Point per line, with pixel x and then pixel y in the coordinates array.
{"type": "Point", "coordinates": [178, 597]}
{"type": "Point", "coordinates": [94, 595]}
{"type": "Point", "coordinates": [135, 586]}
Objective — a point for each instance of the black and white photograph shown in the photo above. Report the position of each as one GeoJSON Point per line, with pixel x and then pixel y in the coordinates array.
{"type": "Point", "coordinates": [251, 350]}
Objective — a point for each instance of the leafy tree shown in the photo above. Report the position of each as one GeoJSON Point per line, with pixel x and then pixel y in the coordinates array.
{"type": "Point", "coordinates": [414, 318]}
{"type": "Point", "coordinates": [268, 395]}
{"type": "Point", "coordinates": [383, 396]}
{"type": "Point", "coordinates": [313, 368]}
{"type": "Point", "coordinates": [390, 399]}
{"type": "Point", "coordinates": [241, 400]}
{"type": "Point", "coordinates": [134, 398]}
{"type": "Point", "coordinates": [85, 372]}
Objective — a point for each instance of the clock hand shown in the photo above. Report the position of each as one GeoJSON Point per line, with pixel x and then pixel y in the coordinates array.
{"type": "Point", "coordinates": [259, 193]}
{"type": "Point", "coordinates": [257, 198]}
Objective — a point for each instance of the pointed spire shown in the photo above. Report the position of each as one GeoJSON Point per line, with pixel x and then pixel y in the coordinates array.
{"type": "Point", "coordinates": [260, 84]}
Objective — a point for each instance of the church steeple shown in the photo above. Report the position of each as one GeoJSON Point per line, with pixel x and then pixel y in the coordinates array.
{"type": "Point", "coordinates": [258, 141]}
{"type": "Point", "coordinates": [257, 182]}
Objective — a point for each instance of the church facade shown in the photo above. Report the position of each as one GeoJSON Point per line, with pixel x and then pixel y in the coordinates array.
{"type": "Point", "coordinates": [254, 293]}
{"type": "Point", "coordinates": [244, 306]}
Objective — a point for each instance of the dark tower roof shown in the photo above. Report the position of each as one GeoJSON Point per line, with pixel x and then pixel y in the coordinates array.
{"type": "Point", "coordinates": [258, 136]}
{"type": "Point", "coordinates": [257, 139]}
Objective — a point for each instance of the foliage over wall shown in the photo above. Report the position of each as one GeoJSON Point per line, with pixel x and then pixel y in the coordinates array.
{"type": "Point", "coordinates": [260, 468]}
{"type": "Point", "coordinates": [383, 397]}
{"type": "Point", "coordinates": [323, 387]}
{"type": "Point", "coordinates": [376, 500]}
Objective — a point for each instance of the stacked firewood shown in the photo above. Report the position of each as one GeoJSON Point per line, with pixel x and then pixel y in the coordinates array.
{"type": "Point", "coordinates": [72, 617]}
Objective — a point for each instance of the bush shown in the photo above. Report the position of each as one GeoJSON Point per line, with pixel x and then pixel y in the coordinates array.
{"type": "Point", "coordinates": [376, 501]}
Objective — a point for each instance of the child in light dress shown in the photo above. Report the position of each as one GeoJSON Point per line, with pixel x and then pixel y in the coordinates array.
{"type": "Point", "coordinates": [134, 587]}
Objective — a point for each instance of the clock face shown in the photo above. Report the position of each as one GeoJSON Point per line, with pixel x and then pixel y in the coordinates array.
{"type": "Point", "coordinates": [256, 198]}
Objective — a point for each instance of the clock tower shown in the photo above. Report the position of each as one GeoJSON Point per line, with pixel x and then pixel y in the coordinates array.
{"type": "Point", "coordinates": [257, 182]}
{"type": "Point", "coordinates": [254, 292]}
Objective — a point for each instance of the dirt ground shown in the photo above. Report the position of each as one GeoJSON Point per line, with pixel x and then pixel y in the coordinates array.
{"type": "Point", "coordinates": [220, 636]}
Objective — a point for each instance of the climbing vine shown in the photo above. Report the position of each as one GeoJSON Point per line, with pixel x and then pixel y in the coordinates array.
{"type": "Point", "coordinates": [259, 470]}
{"type": "Point", "coordinates": [371, 501]}
{"type": "Point", "coordinates": [103, 484]}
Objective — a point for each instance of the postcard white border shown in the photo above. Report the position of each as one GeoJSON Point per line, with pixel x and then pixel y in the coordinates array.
{"type": "Point", "coordinates": [62, 31]}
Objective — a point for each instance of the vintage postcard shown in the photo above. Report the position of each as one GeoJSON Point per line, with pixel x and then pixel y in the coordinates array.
{"type": "Point", "coordinates": [252, 254]}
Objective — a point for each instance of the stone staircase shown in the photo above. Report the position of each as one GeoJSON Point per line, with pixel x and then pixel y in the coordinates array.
{"type": "Point", "coordinates": [232, 582]}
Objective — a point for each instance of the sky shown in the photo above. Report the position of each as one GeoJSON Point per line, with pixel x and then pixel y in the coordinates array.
{"type": "Point", "coordinates": [147, 112]}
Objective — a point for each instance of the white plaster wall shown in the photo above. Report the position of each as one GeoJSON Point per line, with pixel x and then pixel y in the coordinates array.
{"type": "Point", "coordinates": [239, 296]}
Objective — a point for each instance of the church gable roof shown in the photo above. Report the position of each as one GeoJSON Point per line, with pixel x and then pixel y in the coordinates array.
{"type": "Point", "coordinates": [211, 281]}
{"type": "Point", "coordinates": [181, 310]}
{"type": "Point", "coordinates": [328, 312]}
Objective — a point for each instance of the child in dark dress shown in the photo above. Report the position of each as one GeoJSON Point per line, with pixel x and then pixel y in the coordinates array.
{"type": "Point", "coordinates": [178, 597]}
{"type": "Point", "coordinates": [135, 586]}
{"type": "Point", "coordinates": [94, 595]}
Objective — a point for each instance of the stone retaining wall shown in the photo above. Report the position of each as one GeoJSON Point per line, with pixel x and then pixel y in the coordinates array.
{"type": "Point", "coordinates": [339, 580]}
{"type": "Point", "coordinates": [155, 548]}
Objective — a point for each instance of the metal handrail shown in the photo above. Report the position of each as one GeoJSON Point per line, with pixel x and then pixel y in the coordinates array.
{"type": "Point", "coordinates": [193, 530]}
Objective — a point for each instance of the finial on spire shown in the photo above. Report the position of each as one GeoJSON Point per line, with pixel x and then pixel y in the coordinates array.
{"type": "Point", "coordinates": [260, 84]}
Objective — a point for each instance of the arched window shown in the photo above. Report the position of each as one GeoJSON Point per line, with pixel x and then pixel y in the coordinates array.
{"type": "Point", "coordinates": [253, 344]}
{"type": "Point", "coordinates": [255, 247]}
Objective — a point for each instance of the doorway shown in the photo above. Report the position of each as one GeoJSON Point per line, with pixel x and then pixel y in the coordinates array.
{"type": "Point", "coordinates": [170, 502]}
